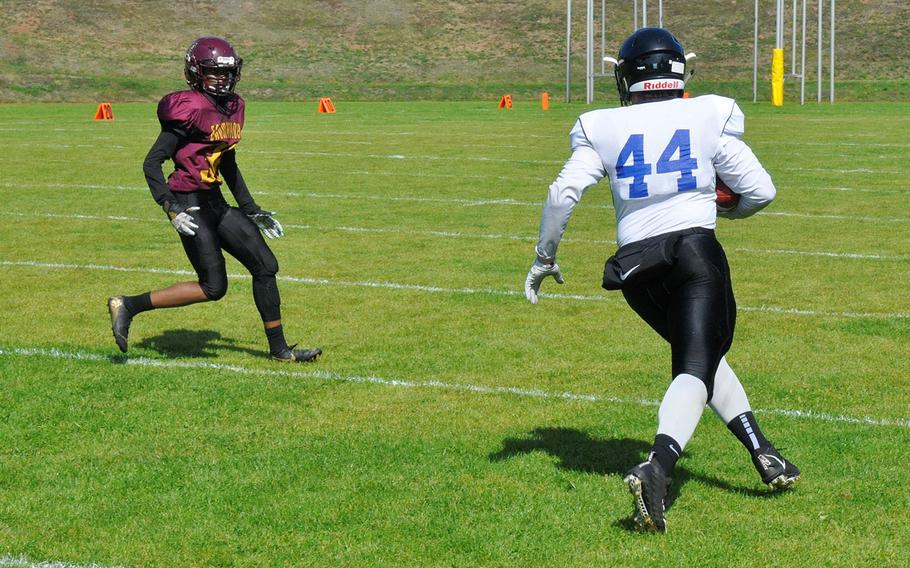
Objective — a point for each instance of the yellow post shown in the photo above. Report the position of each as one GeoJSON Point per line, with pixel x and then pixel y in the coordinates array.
{"type": "Point", "coordinates": [777, 77]}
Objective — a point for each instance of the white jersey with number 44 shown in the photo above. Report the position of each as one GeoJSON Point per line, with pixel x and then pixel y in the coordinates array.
{"type": "Point", "coordinates": [661, 158]}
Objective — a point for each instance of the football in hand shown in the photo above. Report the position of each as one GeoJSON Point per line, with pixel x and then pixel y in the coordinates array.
{"type": "Point", "coordinates": [726, 200]}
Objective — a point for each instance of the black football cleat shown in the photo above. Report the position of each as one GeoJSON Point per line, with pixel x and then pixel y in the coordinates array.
{"type": "Point", "coordinates": [648, 485]}
{"type": "Point", "coordinates": [294, 355]}
{"type": "Point", "coordinates": [120, 321]}
{"type": "Point", "coordinates": [775, 471]}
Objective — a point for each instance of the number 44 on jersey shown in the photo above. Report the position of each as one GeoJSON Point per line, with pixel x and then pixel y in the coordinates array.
{"type": "Point", "coordinates": [634, 151]}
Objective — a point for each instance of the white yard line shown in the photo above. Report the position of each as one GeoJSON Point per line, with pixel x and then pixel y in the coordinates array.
{"type": "Point", "coordinates": [845, 255]}
{"type": "Point", "coordinates": [79, 216]}
{"type": "Point", "coordinates": [335, 139]}
{"type": "Point", "coordinates": [418, 157]}
{"type": "Point", "coordinates": [304, 280]}
{"type": "Point", "coordinates": [436, 289]}
{"type": "Point", "coordinates": [497, 201]}
{"type": "Point", "coordinates": [408, 383]}
{"type": "Point", "coordinates": [864, 171]}
{"type": "Point", "coordinates": [854, 189]}
{"type": "Point", "coordinates": [463, 235]}
{"type": "Point", "coordinates": [435, 158]}
{"type": "Point", "coordinates": [863, 218]}
{"type": "Point", "coordinates": [24, 562]}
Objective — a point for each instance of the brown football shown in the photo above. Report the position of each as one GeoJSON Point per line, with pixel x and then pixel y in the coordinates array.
{"type": "Point", "coordinates": [726, 200]}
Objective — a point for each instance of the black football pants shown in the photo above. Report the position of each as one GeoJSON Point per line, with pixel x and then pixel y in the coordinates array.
{"type": "Point", "coordinates": [692, 307]}
{"type": "Point", "coordinates": [222, 227]}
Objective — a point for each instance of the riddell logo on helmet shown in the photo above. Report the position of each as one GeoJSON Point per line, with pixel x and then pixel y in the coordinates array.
{"type": "Point", "coordinates": [658, 85]}
{"type": "Point", "coordinates": [661, 85]}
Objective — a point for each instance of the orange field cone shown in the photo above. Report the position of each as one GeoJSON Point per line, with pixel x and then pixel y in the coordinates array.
{"type": "Point", "coordinates": [685, 94]}
{"type": "Point", "coordinates": [545, 100]}
{"type": "Point", "coordinates": [505, 101]}
{"type": "Point", "coordinates": [104, 112]}
{"type": "Point", "coordinates": [326, 106]}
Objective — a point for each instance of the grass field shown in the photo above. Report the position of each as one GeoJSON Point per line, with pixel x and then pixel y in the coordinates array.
{"type": "Point", "coordinates": [449, 423]}
{"type": "Point", "coordinates": [422, 49]}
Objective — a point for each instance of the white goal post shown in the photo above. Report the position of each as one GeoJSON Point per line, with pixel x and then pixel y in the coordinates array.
{"type": "Point", "coordinates": [640, 7]}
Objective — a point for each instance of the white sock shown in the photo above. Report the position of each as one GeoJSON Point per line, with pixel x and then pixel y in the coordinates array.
{"type": "Point", "coordinates": [681, 408]}
{"type": "Point", "coordinates": [729, 400]}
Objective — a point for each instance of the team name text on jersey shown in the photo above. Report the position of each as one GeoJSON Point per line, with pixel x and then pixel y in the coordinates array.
{"type": "Point", "coordinates": [226, 131]}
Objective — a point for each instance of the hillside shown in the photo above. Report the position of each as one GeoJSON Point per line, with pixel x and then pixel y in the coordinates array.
{"type": "Point", "coordinates": [53, 50]}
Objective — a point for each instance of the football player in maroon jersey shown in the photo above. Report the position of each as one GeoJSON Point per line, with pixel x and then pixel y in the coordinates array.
{"type": "Point", "coordinates": [200, 129]}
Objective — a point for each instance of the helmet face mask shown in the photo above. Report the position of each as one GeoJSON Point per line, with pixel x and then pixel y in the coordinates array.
{"type": "Point", "coordinates": [212, 66]}
{"type": "Point", "coordinates": [217, 80]}
{"type": "Point", "coordinates": [650, 60]}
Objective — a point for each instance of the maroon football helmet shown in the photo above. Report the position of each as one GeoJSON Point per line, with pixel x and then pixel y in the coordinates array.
{"type": "Point", "coordinates": [212, 66]}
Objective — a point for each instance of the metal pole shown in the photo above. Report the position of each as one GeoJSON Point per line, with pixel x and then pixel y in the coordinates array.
{"type": "Point", "coordinates": [589, 55]}
{"type": "Point", "coordinates": [793, 43]}
{"type": "Point", "coordinates": [644, 13]}
{"type": "Point", "coordinates": [820, 34]}
{"type": "Point", "coordinates": [779, 40]}
{"type": "Point", "coordinates": [603, 36]}
{"type": "Point", "coordinates": [568, 50]}
{"type": "Point", "coordinates": [755, 58]}
{"type": "Point", "coordinates": [802, 67]}
{"type": "Point", "coordinates": [831, 58]}
{"type": "Point", "coordinates": [660, 13]}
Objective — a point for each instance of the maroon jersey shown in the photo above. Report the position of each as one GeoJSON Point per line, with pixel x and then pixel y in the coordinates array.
{"type": "Point", "coordinates": [208, 131]}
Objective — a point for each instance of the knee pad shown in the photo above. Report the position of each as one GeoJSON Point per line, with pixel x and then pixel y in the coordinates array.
{"type": "Point", "coordinates": [265, 268]}
{"type": "Point", "coordinates": [709, 385]}
{"type": "Point", "coordinates": [703, 372]}
{"type": "Point", "coordinates": [269, 266]}
{"type": "Point", "coordinates": [214, 288]}
{"type": "Point", "coordinates": [708, 381]}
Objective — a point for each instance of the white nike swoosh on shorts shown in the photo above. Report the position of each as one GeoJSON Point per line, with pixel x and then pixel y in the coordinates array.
{"type": "Point", "coordinates": [626, 274]}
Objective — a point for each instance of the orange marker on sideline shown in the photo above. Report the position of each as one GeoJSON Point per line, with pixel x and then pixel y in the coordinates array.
{"type": "Point", "coordinates": [545, 100]}
{"type": "Point", "coordinates": [104, 112]}
{"type": "Point", "coordinates": [505, 101]}
{"type": "Point", "coordinates": [326, 105]}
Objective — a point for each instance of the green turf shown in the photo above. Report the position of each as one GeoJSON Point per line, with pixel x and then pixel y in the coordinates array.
{"type": "Point", "coordinates": [404, 446]}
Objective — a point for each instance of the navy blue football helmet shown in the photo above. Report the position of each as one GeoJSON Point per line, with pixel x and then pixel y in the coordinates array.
{"type": "Point", "coordinates": [651, 59]}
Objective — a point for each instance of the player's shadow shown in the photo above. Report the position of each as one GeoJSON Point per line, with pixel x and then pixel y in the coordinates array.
{"type": "Point", "coordinates": [193, 343]}
{"type": "Point", "coordinates": [578, 451]}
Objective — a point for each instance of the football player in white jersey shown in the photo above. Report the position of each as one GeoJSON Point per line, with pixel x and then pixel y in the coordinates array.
{"type": "Point", "coordinates": [662, 153]}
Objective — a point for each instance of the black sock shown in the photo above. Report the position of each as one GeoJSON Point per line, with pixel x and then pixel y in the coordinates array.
{"type": "Point", "coordinates": [138, 304]}
{"type": "Point", "coordinates": [665, 452]}
{"type": "Point", "coordinates": [746, 430]}
{"type": "Point", "coordinates": [277, 343]}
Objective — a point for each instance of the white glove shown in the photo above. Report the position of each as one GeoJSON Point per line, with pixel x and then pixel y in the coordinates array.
{"type": "Point", "coordinates": [184, 222]}
{"type": "Point", "coordinates": [268, 224]}
{"type": "Point", "coordinates": [538, 272]}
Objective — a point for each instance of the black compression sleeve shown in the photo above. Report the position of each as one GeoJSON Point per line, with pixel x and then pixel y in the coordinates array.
{"type": "Point", "coordinates": [234, 180]}
{"type": "Point", "coordinates": [162, 150]}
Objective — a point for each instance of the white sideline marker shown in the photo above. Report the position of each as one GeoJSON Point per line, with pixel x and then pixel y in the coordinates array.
{"type": "Point", "coordinates": [405, 383]}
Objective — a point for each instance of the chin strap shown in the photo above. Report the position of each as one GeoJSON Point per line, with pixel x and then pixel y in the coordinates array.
{"type": "Point", "coordinates": [690, 67]}
{"type": "Point", "coordinates": [620, 87]}
{"type": "Point", "coordinates": [220, 102]}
